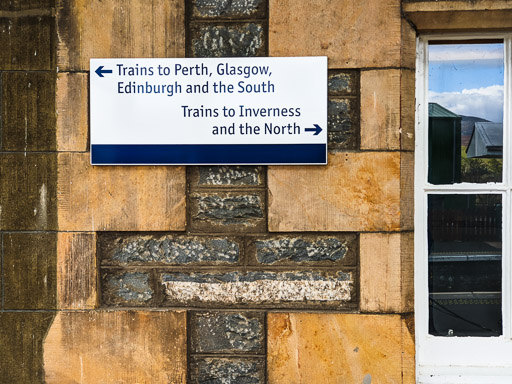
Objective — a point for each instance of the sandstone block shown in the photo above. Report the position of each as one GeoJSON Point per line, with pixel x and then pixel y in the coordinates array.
{"type": "Point", "coordinates": [352, 33]}
{"type": "Point", "coordinates": [168, 249]}
{"type": "Point", "coordinates": [229, 40]}
{"type": "Point", "coordinates": [126, 288]}
{"type": "Point", "coordinates": [227, 176]}
{"type": "Point", "coordinates": [380, 109]}
{"type": "Point", "coordinates": [72, 111]}
{"type": "Point", "coordinates": [150, 198]}
{"type": "Point", "coordinates": [355, 192]}
{"type": "Point", "coordinates": [21, 5]}
{"type": "Point", "coordinates": [116, 347]}
{"type": "Point", "coordinates": [387, 272]}
{"type": "Point", "coordinates": [283, 289]}
{"type": "Point", "coordinates": [76, 270]}
{"type": "Point", "coordinates": [227, 370]}
{"type": "Point", "coordinates": [28, 196]}
{"type": "Point", "coordinates": [21, 346]}
{"type": "Point", "coordinates": [227, 211]}
{"type": "Point", "coordinates": [28, 111]}
{"type": "Point", "coordinates": [26, 43]}
{"type": "Point", "coordinates": [227, 332]}
{"type": "Point", "coordinates": [30, 270]}
{"type": "Point", "coordinates": [117, 28]}
{"type": "Point", "coordinates": [407, 109]}
{"type": "Point", "coordinates": [304, 249]}
{"type": "Point", "coordinates": [234, 9]}
{"type": "Point", "coordinates": [367, 348]}
{"type": "Point", "coordinates": [343, 123]}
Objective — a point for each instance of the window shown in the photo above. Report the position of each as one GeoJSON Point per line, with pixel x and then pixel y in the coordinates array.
{"type": "Point", "coordinates": [463, 209]}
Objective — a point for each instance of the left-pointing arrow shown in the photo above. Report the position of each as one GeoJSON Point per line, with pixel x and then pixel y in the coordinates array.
{"type": "Point", "coordinates": [100, 71]}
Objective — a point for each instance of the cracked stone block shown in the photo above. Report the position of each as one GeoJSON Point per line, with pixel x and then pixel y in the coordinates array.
{"type": "Point", "coordinates": [207, 9]}
{"type": "Point", "coordinates": [258, 288]}
{"type": "Point", "coordinates": [343, 123]}
{"type": "Point", "coordinates": [227, 370]}
{"type": "Point", "coordinates": [126, 288]}
{"type": "Point", "coordinates": [227, 176]}
{"type": "Point", "coordinates": [228, 211]}
{"type": "Point", "coordinates": [343, 83]}
{"type": "Point", "coordinates": [304, 249]}
{"type": "Point", "coordinates": [168, 249]}
{"type": "Point", "coordinates": [227, 332]}
{"type": "Point", "coordinates": [230, 40]}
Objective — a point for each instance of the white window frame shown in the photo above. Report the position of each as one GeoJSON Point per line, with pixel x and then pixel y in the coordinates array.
{"type": "Point", "coordinates": [449, 360]}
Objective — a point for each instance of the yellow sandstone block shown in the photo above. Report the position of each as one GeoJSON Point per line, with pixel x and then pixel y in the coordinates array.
{"type": "Point", "coordinates": [118, 28]}
{"type": "Point", "coordinates": [117, 198]}
{"type": "Point", "coordinates": [116, 347]}
{"type": "Point", "coordinates": [355, 192]}
{"type": "Point", "coordinates": [338, 348]}
{"type": "Point", "coordinates": [352, 33]}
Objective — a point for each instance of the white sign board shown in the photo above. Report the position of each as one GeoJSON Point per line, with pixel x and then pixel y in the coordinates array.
{"type": "Point", "coordinates": [209, 111]}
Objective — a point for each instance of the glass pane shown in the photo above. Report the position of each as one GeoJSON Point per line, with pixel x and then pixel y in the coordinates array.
{"type": "Point", "coordinates": [464, 262]}
{"type": "Point", "coordinates": [465, 112]}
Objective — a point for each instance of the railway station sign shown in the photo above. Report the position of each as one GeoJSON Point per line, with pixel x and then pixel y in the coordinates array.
{"type": "Point", "coordinates": [209, 111]}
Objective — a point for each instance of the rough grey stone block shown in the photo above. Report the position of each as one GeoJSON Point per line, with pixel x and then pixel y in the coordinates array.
{"type": "Point", "coordinates": [227, 370]}
{"type": "Point", "coordinates": [343, 83]}
{"type": "Point", "coordinates": [126, 288]}
{"type": "Point", "coordinates": [343, 123]}
{"type": "Point", "coordinates": [230, 40]}
{"type": "Point", "coordinates": [208, 9]}
{"type": "Point", "coordinates": [227, 332]}
{"type": "Point", "coordinates": [167, 249]}
{"type": "Point", "coordinates": [227, 176]}
{"type": "Point", "coordinates": [228, 211]}
{"type": "Point", "coordinates": [304, 249]}
{"type": "Point", "coordinates": [258, 288]}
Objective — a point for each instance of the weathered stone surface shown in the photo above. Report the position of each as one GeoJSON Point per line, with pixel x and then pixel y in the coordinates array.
{"type": "Point", "coordinates": [343, 123]}
{"type": "Point", "coordinates": [116, 347]}
{"type": "Point", "coordinates": [352, 33]}
{"type": "Point", "coordinates": [380, 109]}
{"type": "Point", "coordinates": [145, 198]}
{"type": "Point", "coordinates": [208, 9]}
{"type": "Point", "coordinates": [21, 5]}
{"type": "Point", "coordinates": [28, 197]}
{"type": "Point", "coordinates": [227, 332]}
{"type": "Point", "coordinates": [227, 176]}
{"type": "Point", "coordinates": [126, 288]}
{"type": "Point", "coordinates": [72, 111]}
{"type": "Point", "coordinates": [407, 191]}
{"type": "Point", "coordinates": [338, 348]}
{"type": "Point", "coordinates": [304, 249]}
{"type": "Point", "coordinates": [408, 46]}
{"type": "Point", "coordinates": [227, 211]}
{"type": "Point", "coordinates": [30, 270]}
{"type": "Point", "coordinates": [455, 20]}
{"type": "Point", "coordinates": [211, 370]}
{"type": "Point", "coordinates": [229, 40]}
{"type": "Point", "coordinates": [21, 346]}
{"type": "Point", "coordinates": [168, 249]}
{"type": "Point", "coordinates": [28, 111]}
{"type": "Point", "coordinates": [455, 5]}
{"type": "Point", "coordinates": [118, 28]}
{"type": "Point", "coordinates": [387, 272]}
{"type": "Point", "coordinates": [258, 288]}
{"type": "Point", "coordinates": [355, 192]}
{"type": "Point", "coordinates": [76, 270]}
{"type": "Point", "coordinates": [343, 82]}
{"type": "Point", "coordinates": [26, 43]}
{"type": "Point", "coordinates": [407, 109]}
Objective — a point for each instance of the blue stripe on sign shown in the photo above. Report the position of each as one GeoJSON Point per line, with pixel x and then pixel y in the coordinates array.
{"type": "Point", "coordinates": [209, 154]}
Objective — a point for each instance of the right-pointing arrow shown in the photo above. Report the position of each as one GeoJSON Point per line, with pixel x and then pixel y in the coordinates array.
{"type": "Point", "coordinates": [317, 129]}
{"type": "Point", "coordinates": [100, 71]}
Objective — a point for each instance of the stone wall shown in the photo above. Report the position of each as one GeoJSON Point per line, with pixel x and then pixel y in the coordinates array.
{"type": "Point", "coordinates": [210, 274]}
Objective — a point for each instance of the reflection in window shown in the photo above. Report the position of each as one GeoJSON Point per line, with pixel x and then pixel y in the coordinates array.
{"type": "Point", "coordinates": [464, 261]}
{"type": "Point", "coordinates": [465, 112]}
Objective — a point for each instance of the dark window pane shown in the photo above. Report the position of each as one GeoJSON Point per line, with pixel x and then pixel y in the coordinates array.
{"type": "Point", "coordinates": [465, 113]}
{"type": "Point", "coordinates": [464, 261]}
